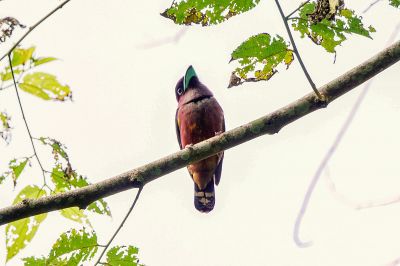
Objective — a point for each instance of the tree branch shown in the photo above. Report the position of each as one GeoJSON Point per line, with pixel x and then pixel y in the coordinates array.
{"type": "Point", "coordinates": [269, 124]}
{"type": "Point", "coordinates": [33, 27]}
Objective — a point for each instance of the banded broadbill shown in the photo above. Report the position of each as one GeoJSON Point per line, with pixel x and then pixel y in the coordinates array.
{"type": "Point", "coordinates": [199, 117]}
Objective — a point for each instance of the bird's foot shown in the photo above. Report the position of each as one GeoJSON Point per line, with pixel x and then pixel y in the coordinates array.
{"type": "Point", "coordinates": [218, 133]}
{"type": "Point", "coordinates": [189, 146]}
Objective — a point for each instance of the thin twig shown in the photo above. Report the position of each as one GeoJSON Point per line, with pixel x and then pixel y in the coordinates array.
{"type": "Point", "coordinates": [297, 9]}
{"type": "Point", "coordinates": [120, 226]}
{"type": "Point", "coordinates": [370, 5]}
{"type": "Point", "coordinates": [297, 51]}
{"type": "Point", "coordinates": [26, 123]}
{"type": "Point", "coordinates": [329, 155]}
{"type": "Point", "coordinates": [33, 27]}
{"type": "Point", "coordinates": [6, 87]}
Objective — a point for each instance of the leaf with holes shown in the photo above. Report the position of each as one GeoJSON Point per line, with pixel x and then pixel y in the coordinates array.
{"type": "Point", "coordinates": [16, 166]}
{"type": "Point", "coordinates": [33, 261]}
{"type": "Point", "coordinates": [100, 207]}
{"type": "Point", "coordinates": [259, 56]}
{"type": "Point", "coordinates": [64, 183]}
{"type": "Point", "coordinates": [207, 12]}
{"type": "Point", "coordinates": [5, 129]}
{"type": "Point", "coordinates": [329, 32]}
{"type": "Point", "coordinates": [75, 214]}
{"type": "Point", "coordinates": [45, 86]}
{"type": "Point", "coordinates": [73, 248]}
{"type": "Point", "coordinates": [123, 256]}
{"type": "Point", "coordinates": [21, 232]}
{"type": "Point", "coordinates": [58, 147]}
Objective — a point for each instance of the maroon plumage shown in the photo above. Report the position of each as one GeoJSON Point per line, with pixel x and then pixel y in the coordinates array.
{"type": "Point", "coordinates": [199, 117]}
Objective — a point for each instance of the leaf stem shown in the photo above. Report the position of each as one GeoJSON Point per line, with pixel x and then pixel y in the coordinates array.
{"type": "Point", "coordinates": [297, 52]}
{"type": "Point", "coordinates": [33, 27]}
{"type": "Point", "coordinates": [120, 226]}
{"type": "Point", "coordinates": [371, 5]}
{"type": "Point", "coordinates": [297, 9]}
{"type": "Point", "coordinates": [25, 121]}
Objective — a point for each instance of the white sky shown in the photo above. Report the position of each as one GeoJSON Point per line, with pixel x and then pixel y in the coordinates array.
{"type": "Point", "coordinates": [122, 116]}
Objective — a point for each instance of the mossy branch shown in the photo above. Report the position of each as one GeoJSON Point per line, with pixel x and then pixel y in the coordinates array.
{"type": "Point", "coordinates": [269, 124]}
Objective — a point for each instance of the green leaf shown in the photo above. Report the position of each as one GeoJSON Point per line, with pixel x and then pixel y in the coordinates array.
{"type": "Point", "coordinates": [100, 207]}
{"type": "Point", "coordinates": [75, 214]}
{"type": "Point", "coordinates": [258, 57]}
{"type": "Point", "coordinates": [60, 180]}
{"type": "Point", "coordinates": [330, 30]}
{"type": "Point", "coordinates": [7, 75]}
{"type": "Point", "coordinates": [33, 261]}
{"type": "Point", "coordinates": [34, 91]}
{"type": "Point", "coordinates": [73, 248]}
{"type": "Point", "coordinates": [45, 86]}
{"type": "Point", "coordinates": [207, 12]}
{"type": "Point", "coordinates": [64, 183]}
{"type": "Point", "coordinates": [21, 56]}
{"type": "Point", "coordinates": [5, 129]}
{"type": "Point", "coordinates": [43, 60]}
{"type": "Point", "coordinates": [123, 256]}
{"type": "Point", "coordinates": [21, 232]}
{"type": "Point", "coordinates": [395, 3]}
{"type": "Point", "coordinates": [16, 166]}
{"type": "Point", "coordinates": [58, 147]}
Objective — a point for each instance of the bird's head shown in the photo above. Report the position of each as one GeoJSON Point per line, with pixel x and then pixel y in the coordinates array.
{"type": "Point", "coordinates": [189, 87]}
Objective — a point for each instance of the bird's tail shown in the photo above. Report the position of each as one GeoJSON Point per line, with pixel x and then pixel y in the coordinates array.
{"type": "Point", "coordinates": [204, 199]}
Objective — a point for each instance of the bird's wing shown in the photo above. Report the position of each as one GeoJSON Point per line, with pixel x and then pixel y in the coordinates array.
{"type": "Point", "coordinates": [218, 170]}
{"type": "Point", "coordinates": [178, 132]}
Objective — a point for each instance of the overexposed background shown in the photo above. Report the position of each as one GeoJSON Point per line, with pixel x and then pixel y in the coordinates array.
{"type": "Point", "coordinates": [122, 116]}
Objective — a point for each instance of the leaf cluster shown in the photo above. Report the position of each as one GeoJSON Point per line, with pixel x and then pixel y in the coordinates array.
{"type": "Point", "coordinates": [329, 31]}
{"type": "Point", "coordinates": [63, 178]}
{"type": "Point", "coordinates": [327, 23]}
{"type": "Point", "coordinates": [207, 12]}
{"type": "Point", "coordinates": [40, 84]}
{"type": "Point", "coordinates": [77, 246]}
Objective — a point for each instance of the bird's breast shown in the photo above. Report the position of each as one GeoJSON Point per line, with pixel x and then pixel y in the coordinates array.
{"type": "Point", "coordinates": [200, 120]}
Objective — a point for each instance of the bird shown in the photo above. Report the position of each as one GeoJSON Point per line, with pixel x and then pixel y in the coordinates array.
{"type": "Point", "coordinates": [199, 117]}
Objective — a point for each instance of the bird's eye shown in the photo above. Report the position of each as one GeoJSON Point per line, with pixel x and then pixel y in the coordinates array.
{"type": "Point", "coordinates": [179, 91]}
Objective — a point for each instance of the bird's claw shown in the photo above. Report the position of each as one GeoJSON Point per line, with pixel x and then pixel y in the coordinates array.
{"type": "Point", "coordinates": [189, 146]}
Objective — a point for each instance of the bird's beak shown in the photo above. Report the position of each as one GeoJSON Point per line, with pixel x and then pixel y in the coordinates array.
{"type": "Point", "coordinates": [190, 73]}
